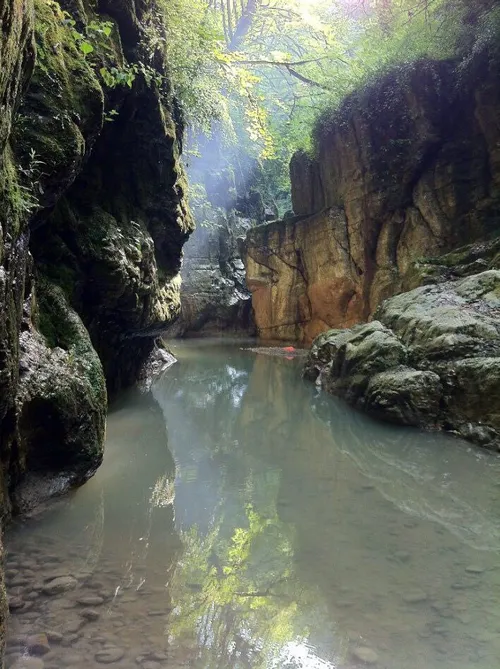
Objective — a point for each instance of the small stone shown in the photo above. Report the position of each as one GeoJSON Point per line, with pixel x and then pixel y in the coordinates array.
{"type": "Point", "coordinates": [402, 556]}
{"type": "Point", "coordinates": [72, 659]}
{"type": "Point", "coordinates": [90, 600]}
{"type": "Point", "coordinates": [70, 639]}
{"type": "Point", "coordinates": [474, 569]}
{"type": "Point", "coordinates": [415, 597]}
{"type": "Point", "coordinates": [55, 574]}
{"type": "Point", "coordinates": [53, 636]}
{"type": "Point", "coordinates": [464, 585]}
{"type": "Point", "coordinates": [73, 626]}
{"type": "Point", "coordinates": [159, 657]}
{"type": "Point", "coordinates": [12, 658]}
{"type": "Point", "coordinates": [15, 603]}
{"type": "Point", "coordinates": [90, 614]}
{"type": "Point", "coordinates": [16, 640]}
{"type": "Point", "coordinates": [109, 655]}
{"type": "Point", "coordinates": [365, 655]}
{"type": "Point", "coordinates": [38, 644]}
{"type": "Point", "coordinates": [60, 584]}
{"type": "Point", "coordinates": [31, 596]}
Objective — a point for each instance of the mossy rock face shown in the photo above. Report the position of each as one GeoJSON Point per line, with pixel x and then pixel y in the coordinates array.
{"type": "Point", "coordinates": [464, 261]}
{"type": "Point", "coordinates": [62, 113]}
{"type": "Point", "coordinates": [62, 393]}
{"type": "Point", "coordinates": [114, 240]}
{"type": "Point", "coordinates": [112, 215]}
{"type": "Point", "coordinates": [16, 58]}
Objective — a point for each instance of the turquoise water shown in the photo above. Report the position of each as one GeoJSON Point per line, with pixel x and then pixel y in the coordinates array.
{"type": "Point", "coordinates": [242, 519]}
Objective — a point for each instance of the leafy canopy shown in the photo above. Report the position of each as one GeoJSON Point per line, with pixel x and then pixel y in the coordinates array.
{"type": "Point", "coordinates": [261, 71]}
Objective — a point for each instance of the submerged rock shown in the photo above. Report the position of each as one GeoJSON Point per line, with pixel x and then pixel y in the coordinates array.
{"type": "Point", "coordinates": [431, 359]}
{"type": "Point", "coordinates": [365, 655]}
{"type": "Point", "coordinates": [59, 585]}
{"type": "Point", "coordinates": [38, 644]}
{"type": "Point", "coordinates": [109, 655]}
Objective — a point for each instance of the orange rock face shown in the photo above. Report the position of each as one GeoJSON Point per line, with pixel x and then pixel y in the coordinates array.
{"type": "Point", "coordinates": [407, 169]}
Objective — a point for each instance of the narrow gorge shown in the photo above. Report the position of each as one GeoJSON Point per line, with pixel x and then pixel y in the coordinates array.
{"type": "Point", "coordinates": [249, 334]}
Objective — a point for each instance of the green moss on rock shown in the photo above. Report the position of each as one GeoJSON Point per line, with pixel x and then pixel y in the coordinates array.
{"type": "Point", "coordinates": [62, 393]}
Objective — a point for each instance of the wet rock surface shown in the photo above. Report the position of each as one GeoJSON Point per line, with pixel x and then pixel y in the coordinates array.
{"type": "Point", "coordinates": [215, 298]}
{"type": "Point", "coordinates": [430, 359]}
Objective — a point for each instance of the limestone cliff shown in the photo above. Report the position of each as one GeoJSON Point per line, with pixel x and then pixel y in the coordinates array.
{"type": "Point", "coordinates": [408, 167]}
{"type": "Point", "coordinates": [93, 219]}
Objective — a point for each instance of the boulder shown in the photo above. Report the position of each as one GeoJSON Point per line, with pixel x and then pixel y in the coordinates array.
{"type": "Point", "coordinates": [432, 359]}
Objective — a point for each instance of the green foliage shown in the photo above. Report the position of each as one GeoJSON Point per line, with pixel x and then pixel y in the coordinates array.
{"type": "Point", "coordinates": [263, 72]}
{"type": "Point", "coordinates": [196, 60]}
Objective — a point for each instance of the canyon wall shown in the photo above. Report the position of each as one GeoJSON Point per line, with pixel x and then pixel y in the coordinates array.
{"type": "Point", "coordinates": [407, 168]}
{"type": "Point", "coordinates": [93, 219]}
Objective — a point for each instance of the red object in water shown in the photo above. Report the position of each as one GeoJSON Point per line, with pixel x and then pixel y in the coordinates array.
{"type": "Point", "coordinates": [289, 348]}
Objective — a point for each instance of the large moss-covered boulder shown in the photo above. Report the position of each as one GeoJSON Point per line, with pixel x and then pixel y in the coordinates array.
{"type": "Point", "coordinates": [61, 398]}
{"type": "Point", "coordinates": [432, 359]}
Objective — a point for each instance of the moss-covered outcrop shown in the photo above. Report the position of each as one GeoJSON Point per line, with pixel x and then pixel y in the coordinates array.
{"type": "Point", "coordinates": [93, 219]}
{"type": "Point", "coordinates": [61, 396]}
{"type": "Point", "coordinates": [111, 217]}
{"type": "Point", "coordinates": [430, 359]}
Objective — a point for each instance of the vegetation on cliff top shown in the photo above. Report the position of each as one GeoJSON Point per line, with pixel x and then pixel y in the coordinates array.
{"type": "Point", "coordinates": [260, 73]}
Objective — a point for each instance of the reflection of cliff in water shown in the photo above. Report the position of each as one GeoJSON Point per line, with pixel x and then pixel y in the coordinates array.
{"type": "Point", "coordinates": [114, 519]}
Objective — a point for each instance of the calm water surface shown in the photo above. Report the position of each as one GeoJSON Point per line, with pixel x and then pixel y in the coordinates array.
{"type": "Point", "coordinates": [242, 520]}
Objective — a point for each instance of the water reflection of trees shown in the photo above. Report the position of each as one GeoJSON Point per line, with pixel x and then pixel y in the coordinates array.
{"type": "Point", "coordinates": [235, 591]}
{"type": "Point", "coordinates": [272, 511]}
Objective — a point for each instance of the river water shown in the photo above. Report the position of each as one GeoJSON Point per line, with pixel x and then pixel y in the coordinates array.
{"type": "Point", "coordinates": [241, 519]}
